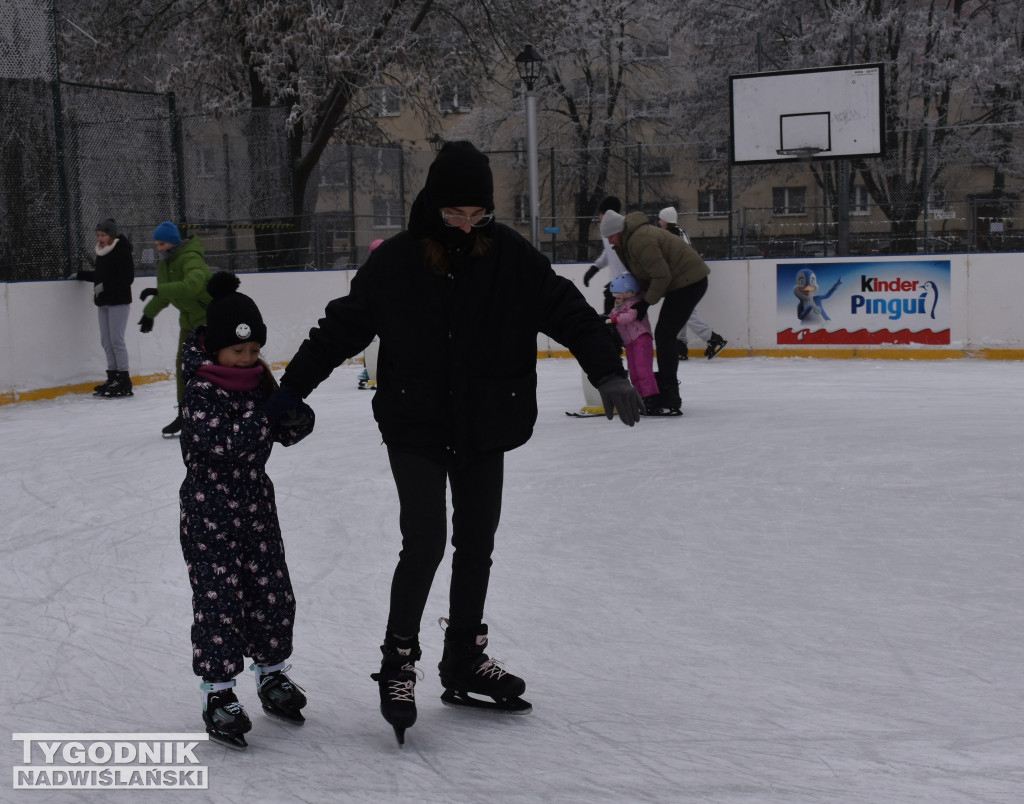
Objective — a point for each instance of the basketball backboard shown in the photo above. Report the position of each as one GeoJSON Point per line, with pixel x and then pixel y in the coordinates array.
{"type": "Point", "coordinates": [828, 113]}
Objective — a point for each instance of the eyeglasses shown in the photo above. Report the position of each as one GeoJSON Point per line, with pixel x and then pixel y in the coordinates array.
{"type": "Point", "coordinates": [476, 221]}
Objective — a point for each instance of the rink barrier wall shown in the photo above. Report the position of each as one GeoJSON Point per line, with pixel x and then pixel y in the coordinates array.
{"type": "Point", "coordinates": [51, 337]}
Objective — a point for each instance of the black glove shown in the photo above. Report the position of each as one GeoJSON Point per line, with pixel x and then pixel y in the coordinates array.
{"type": "Point", "coordinates": [147, 293]}
{"type": "Point", "coordinates": [593, 269]}
{"type": "Point", "coordinates": [283, 403]}
{"type": "Point", "coordinates": [302, 416]}
{"type": "Point", "coordinates": [145, 324]}
{"type": "Point", "coordinates": [641, 309]}
{"type": "Point", "coordinates": [619, 394]}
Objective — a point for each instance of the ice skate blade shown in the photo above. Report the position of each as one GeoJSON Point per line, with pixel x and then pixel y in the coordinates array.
{"type": "Point", "coordinates": [399, 735]}
{"type": "Point", "coordinates": [504, 706]}
{"type": "Point", "coordinates": [291, 718]}
{"type": "Point", "coordinates": [236, 742]}
{"type": "Point", "coordinates": [663, 413]}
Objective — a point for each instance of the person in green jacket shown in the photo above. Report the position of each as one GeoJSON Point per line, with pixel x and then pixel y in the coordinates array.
{"type": "Point", "coordinates": [668, 270]}
{"type": "Point", "coordinates": [181, 279]}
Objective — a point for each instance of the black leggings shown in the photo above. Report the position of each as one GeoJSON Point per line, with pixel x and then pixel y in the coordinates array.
{"type": "Point", "coordinates": [421, 477]}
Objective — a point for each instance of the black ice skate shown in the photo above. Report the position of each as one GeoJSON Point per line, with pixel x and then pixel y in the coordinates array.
{"type": "Point", "coordinates": [280, 696]}
{"type": "Point", "coordinates": [716, 343]}
{"type": "Point", "coordinates": [225, 718]}
{"type": "Point", "coordinates": [121, 386]}
{"type": "Point", "coordinates": [397, 682]}
{"type": "Point", "coordinates": [683, 348]}
{"type": "Point", "coordinates": [172, 430]}
{"type": "Point", "coordinates": [664, 403]}
{"type": "Point", "coordinates": [99, 389]}
{"type": "Point", "coordinates": [467, 671]}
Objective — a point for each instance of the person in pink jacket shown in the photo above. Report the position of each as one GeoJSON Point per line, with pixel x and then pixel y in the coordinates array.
{"type": "Point", "coordinates": [636, 334]}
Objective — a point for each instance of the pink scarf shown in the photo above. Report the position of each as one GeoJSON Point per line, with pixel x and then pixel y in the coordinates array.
{"type": "Point", "coordinates": [231, 379]}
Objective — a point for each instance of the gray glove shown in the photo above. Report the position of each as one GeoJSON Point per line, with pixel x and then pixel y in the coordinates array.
{"type": "Point", "coordinates": [619, 394]}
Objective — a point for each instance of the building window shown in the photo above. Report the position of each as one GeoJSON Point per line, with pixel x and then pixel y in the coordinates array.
{"type": "Point", "coordinates": [589, 92]}
{"type": "Point", "coordinates": [789, 200]}
{"type": "Point", "coordinates": [383, 161]}
{"type": "Point", "coordinates": [655, 166]}
{"type": "Point", "coordinates": [860, 201]}
{"type": "Point", "coordinates": [456, 99]}
{"type": "Point", "coordinates": [650, 108]}
{"type": "Point", "coordinates": [387, 213]}
{"type": "Point", "coordinates": [710, 152]}
{"type": "Point", "coordinates": [386, 101]}
{"type": "Point", "coordinates": [522, 208]}
{"type": "Point", "coordinates": [650, 50]}
{"type": "Point", "coordinates": [937, 198]}
{"type": "Point", "coordinates": [334, 171]}
{"type": "Point", "coordinates": [206, 163]}
{"type": "Point", "coordinates": [519, 158]}
{"type": "Point", "coordinates": [712, 204]}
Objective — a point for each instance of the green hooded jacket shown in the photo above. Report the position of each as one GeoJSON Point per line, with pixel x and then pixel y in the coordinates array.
{"type": "Point", "coordinates": [659, 260]}
{"type": "Point", "coordinates": [181, 280]}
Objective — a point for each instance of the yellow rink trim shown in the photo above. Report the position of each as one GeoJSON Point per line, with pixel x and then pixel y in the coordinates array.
{"type": "Point", "coordinates": [829, 353]}
{"type": "Point", "coordinates": [838, 353]}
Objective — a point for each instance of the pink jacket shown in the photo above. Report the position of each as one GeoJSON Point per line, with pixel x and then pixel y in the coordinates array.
{"type": "Point", "coordinates": [623, 316]}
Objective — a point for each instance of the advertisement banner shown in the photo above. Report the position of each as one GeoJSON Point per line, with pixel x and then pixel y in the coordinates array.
{"type": "Point", "coordinates": [869, 303]}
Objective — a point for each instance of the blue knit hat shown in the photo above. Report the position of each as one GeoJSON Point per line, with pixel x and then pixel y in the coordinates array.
{"type": "Point", "coordinates": [168, 233]}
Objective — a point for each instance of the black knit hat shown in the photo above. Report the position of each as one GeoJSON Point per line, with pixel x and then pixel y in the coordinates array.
{"type": "Point", "coordinates": [109, 226]}
{"type": "Point", "coordinates": [231, 317]}
{"type": "Point", "coordinates": [610, 203]}
{"type": "Point", "coordinates": [460, 176]}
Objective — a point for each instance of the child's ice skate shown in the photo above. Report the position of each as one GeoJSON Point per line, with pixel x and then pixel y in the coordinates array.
{"type": "Point", "coordinates": [225, 718]}
{"type": "Point", "coordinates": [281, 697]}
{"type": "Point", "coordinates": [467, 671]}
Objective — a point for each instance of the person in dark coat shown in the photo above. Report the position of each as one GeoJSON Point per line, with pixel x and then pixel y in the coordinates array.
{"type": "Point", "coordinates": [242, 599]}
{"type": "Point", "coordinates": [456, 301]}
{"type": "Point", "coordinates": [112, 279]}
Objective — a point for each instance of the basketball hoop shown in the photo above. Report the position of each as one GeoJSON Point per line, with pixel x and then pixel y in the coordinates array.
{"type": "Point", "coordinates": [802, 154]}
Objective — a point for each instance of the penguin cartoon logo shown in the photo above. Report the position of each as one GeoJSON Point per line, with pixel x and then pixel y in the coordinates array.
{"type": "Point", "coordinates": [931, 287]}
{"type": "Point", "coordinates": [809, 308]}
{"type": "Point", "coordinates": [243, 332]}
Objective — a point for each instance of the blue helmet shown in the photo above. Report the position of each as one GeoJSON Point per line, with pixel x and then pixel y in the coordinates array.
{"type": "Point", "coordinates": [623, 283]}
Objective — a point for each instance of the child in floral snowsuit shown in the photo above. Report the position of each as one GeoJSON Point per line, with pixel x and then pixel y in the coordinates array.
{"type": "Point", "coordinates": [241, 592]}
{"type": "Point", "coordinates": [636, 334]}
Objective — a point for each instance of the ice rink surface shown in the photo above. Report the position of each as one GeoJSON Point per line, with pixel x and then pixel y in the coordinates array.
{"type": "Point", "coordinates": [808, 589]}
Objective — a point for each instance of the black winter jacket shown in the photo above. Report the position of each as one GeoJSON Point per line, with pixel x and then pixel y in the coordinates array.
{"type": "Point", "coordinates": [115, 270]}
{"type": "Point", "coordinates": [457, 364]}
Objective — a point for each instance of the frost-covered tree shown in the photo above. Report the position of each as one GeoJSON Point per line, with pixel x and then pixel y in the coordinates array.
{"type": "Point", "coordinates": [322, 60]}
{"type": "Point", "coordinates": [953, 74]}
{"type": "Point", "coordinates": [594, 94]}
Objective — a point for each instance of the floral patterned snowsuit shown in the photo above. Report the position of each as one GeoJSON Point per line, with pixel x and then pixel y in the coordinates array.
{"type": "Point", "coordinates": [242, 597]}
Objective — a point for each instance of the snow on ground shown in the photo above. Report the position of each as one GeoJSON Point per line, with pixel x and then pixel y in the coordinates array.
{"type": "Point", "coordinates": [808, 589]}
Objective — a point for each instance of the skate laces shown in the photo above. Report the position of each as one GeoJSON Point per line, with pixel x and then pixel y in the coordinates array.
{"type": "Point", "coordinates": [491, 669]}
{"type": "Point", "coordinates": [400, 689]}
{"type": "Point", "coordinates": [274, 675]}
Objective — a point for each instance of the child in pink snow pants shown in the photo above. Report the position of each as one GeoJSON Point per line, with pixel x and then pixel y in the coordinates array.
{"type": "Point", "coordinates": [636, 335]}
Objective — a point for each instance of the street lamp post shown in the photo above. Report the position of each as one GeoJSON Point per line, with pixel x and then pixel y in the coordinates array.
{"type": "Point", "coordinates": [528, 64]}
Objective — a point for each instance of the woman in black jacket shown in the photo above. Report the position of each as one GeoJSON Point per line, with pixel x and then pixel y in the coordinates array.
{"type": "Point", "coordinates": [112, 292]}
{"type": "Point", "coordinates": [456, 302]}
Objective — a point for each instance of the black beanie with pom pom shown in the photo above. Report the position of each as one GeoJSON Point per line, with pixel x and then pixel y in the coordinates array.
{"type": "Point", "coordinates": [231, 317]}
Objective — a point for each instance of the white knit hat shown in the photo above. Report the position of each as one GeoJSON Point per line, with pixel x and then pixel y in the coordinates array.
{"type": "Point", "coordinates": [612, 223]}
{"type": "Point", "coordinates": [669, 215]}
